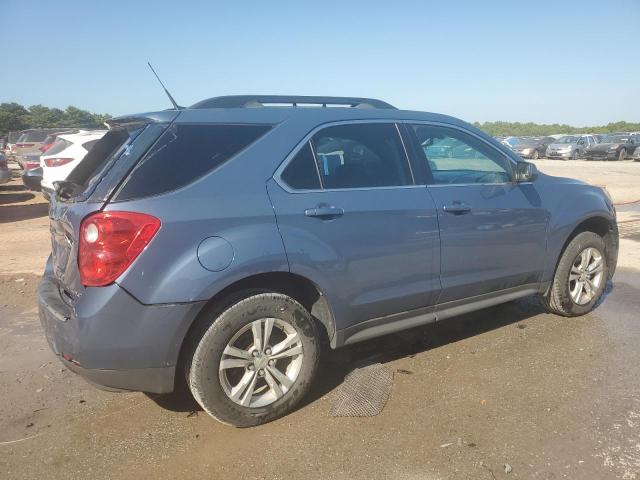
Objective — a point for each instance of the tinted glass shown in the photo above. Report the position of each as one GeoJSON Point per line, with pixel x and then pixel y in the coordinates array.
{"type": "Point", "coordinates": [89, 145]}
{"type": "Point", "coordinates": [184, 153]}
{"type": "Point", "coordinates": [455, 157]}
{"type": "Point", "coordinates": [35, 136]}
{"type": "Point", "coordinates": [301, 173]}
{"type": "Point", "coordinates": [58, 147]}
{"type": "Point", "coordinates": [361, 155]}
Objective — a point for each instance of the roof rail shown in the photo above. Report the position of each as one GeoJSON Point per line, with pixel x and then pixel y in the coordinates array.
{"type": "Point", "coordinates": [256, 101]}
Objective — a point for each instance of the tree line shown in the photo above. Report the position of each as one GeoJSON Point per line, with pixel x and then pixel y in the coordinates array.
{"type": "Point", "coordinates": [14, 116]}
{"type": "Point", "coordinates": [517, 129]}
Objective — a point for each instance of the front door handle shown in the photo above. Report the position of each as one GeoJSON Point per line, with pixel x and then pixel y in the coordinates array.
{"type": "Point", "coordinates": [324, 212]}
{"type": "Point", "coordinates": [457, 208]}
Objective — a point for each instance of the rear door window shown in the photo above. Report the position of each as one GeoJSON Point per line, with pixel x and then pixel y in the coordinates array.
{"type": "Point", "coordinates": [363, 155]}
{"type": "Point", "coordinates": [184, 153]}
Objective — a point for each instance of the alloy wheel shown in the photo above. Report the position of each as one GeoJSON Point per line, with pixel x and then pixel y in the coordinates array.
{"type": "Point", "coordinates": [586, 276]}
{"type": "Point", "coordinates": [261, 362]}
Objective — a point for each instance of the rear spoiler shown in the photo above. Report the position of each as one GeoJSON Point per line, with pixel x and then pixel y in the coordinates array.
{"type": "Point", "coordinates": [129, 121]}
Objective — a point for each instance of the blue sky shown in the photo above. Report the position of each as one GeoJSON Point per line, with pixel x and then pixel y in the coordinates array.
{"type": "Point", "coordinates": [573, 62]}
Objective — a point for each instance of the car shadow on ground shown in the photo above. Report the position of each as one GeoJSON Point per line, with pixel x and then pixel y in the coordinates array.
{"type": "Point", "coordinates": [336, 364]}
{"type": "Point", "coordinates": [14, 213]}
{"type": "Point", "coordinates": [19, 197]}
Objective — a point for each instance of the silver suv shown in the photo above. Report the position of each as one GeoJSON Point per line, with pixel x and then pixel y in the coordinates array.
{"type": "Point", "coordinates": [571, 146]}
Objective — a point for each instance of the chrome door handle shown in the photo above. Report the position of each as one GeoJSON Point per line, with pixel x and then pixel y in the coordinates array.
{"type": "Point", "coordinates": [324, 212]}
{"type": "Point", "coordinates": [457, 208]}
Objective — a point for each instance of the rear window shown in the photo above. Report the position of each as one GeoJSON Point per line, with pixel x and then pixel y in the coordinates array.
{"type": "Point", "coordinates": [59, 146]}
{"type": "Point", "coordinates": [184, 153]}
{"type": "Point", "coordinates": [97, 158]}
{"type": "Point", "coordinates": [34, 137]}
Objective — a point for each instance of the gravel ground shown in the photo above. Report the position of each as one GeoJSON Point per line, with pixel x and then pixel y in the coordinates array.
{"type": "Point", "coordinates": [507, 389]}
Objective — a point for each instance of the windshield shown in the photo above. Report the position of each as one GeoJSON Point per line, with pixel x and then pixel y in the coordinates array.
{"type": "Point", "coordinates": [528, 140]}
{"type": "Point", "coordinates": [615, 139]}
{"type": "Point", "coordinates": [567, 139]}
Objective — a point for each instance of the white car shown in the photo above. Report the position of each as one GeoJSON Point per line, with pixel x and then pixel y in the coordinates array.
{"type": "Point", "coordinates": [65, 154]}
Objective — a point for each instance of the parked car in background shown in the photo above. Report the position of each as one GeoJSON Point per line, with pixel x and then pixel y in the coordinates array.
{"type": "Point", "coordinates": [5, 173]}
{"type": "Point", "coordinates": [225, 244]}
{"type": "Point", "coordinates": [532, 147]}
{"type": "Point", "coordinates": [509, 141]}
{"type": "Point", "coordinates": [613, 147]}
{"type": "Point", "coordinates": [12, 139]}
{"type": "Point", "coordinates": [570, 146]}
{"type": "Point", "coordinates": [29, 161]}
{"type": "Point", "coordinates": [67, 152]}
{"type": "Point", "coordinates": [30, 142]}
{"type": "Point", "coordinates": [51, 139]}
{"type": "Point", "coordinates": [31, 178]}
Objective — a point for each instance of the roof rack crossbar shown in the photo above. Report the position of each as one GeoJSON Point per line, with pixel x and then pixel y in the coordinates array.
{"type": "Point", "coordinates": [254, 101]}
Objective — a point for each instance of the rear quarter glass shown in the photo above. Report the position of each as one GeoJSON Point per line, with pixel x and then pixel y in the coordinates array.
{"type": "Point", "coordinates": [184, 153]}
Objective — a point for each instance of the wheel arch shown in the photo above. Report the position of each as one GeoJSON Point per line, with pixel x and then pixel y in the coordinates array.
{"type": "Point", "coordinates": [300, 288]}
{"type": "Point", "coordinates": [601, 225]}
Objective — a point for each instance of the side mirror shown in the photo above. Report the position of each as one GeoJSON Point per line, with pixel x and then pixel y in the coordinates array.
{"type": "Point", "coordinates": [526, 172]}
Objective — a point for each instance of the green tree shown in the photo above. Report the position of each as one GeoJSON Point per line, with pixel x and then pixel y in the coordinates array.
{"type": "Point", "coordinates": [13, 116]}
{"type": "Point", "coordinates": [41, 116]}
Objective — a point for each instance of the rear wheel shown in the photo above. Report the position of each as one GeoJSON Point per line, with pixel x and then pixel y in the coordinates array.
{"type": "Point", "coordinates": [580, 278]}
{"type": "Point", "coordinates": [255, 361]}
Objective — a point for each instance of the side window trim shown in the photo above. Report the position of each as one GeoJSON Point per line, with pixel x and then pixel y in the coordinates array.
{"type": "Point", "coordinates": [430, 182]}
{"type": "Point", "coordinates": [423, 172]}
{"type": "Point", "coordinates": [308, 139]}
{"type": "Point", "coordinates": [315, 161]}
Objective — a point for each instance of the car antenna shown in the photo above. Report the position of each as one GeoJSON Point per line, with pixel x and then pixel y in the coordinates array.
{"type": "Point", "coordinates": [175, 105]}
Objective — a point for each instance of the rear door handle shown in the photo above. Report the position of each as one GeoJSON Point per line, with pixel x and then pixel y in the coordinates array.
{"type": "Point", "coordinates": [457, 208]}
{"type": "Point", "coordinates": [324, 212]}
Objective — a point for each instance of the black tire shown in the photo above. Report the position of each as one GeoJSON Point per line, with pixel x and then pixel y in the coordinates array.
{"type": "Point", "coordinates": [575, 155]}
{"type": "Point", "coordinates": [558, 300]}
{"type": "Point", "coordinates": [203, 375]}
{"type": "Point", "coordinates": [535, 155]}
{"type": "Point", "coordinates": [621, 155]}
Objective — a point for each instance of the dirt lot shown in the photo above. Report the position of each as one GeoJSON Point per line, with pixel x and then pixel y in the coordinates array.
{"type": "Point", "coordinates": [552, 398]}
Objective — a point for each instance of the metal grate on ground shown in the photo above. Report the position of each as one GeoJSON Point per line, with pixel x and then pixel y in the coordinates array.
{"type": "Point", "coordinates": [364, 392]}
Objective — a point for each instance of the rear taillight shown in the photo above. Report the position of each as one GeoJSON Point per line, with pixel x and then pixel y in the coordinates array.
{"type": "Point", "coordinates": [45, 147]}
{"type": "Point", "coordinates": [57, 162]}
{"type": "Point", "coordinates": [110, 242]}
{"type": "Point", "coordinates": [30, 165]}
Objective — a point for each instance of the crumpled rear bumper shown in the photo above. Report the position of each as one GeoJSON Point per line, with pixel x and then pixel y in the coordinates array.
{"type": "Point", "coordinates": [111, 339]}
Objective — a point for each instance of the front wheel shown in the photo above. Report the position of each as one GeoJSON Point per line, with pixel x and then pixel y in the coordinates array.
{"type": "Point", "coordinates": [580, 278]}
{"type": "Point", "coordinates": [575, 155]}
{"type": "Point", "coordinates": [622, 155]}
{"type": "Point", "coordinates": [255, 361]}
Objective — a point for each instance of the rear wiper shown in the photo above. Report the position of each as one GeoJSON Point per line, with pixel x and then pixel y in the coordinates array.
{"type": "Point", "coordinates": [66, 189]}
